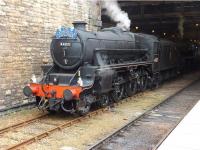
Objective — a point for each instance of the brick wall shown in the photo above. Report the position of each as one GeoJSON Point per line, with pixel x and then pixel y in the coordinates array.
{"type": "Point", "coordinates": [26, 28]}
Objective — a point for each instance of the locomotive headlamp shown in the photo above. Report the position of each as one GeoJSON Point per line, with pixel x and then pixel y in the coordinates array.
{"type": "Point", "coordinates": [36, 79]}
{"type": "Point", "coordinates": [55, 80]}
{"type": "Point", "coordinates": [33, 78]}
{"type": "Point", "coordinates": [67, 94]}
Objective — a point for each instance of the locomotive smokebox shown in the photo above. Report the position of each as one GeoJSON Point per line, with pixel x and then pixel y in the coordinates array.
{"type": "Point", "coordinates": [80, 25]}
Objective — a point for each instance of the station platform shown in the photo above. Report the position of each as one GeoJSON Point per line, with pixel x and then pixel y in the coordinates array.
{"type": "Point", "coordinates": [186, 136]}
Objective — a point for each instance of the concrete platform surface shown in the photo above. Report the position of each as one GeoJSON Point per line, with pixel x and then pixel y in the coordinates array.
{"type": "Point", "coordinates": [186, 136]}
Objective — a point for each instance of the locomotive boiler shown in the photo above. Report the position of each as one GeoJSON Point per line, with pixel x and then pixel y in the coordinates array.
{"type": "Point", "coordinates": [100, 67]}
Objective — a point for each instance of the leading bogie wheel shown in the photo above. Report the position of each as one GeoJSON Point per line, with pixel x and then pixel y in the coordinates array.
{"type": "Point", "coordinates": [104, 100]}
{"type": "Point", "coordinates": [83, 105]}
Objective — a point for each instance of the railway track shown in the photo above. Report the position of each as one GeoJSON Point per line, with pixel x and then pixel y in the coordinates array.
{"type": "Point", "coordinates": [21, 124]}
{"type": "Point", "coordinates": [46, 132]}
{"type": "Point", "coordinates": [57, 127]}
{"type": "Point", "coordinates": [117, 132]}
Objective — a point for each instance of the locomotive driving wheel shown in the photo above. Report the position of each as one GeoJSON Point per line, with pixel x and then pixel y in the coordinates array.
{"type": "Point", "coordinates": [118, 91]}
{"type": "Point", "coordinates": [132, 87]}
{"type": "Point", "coordinates": [143, 80]}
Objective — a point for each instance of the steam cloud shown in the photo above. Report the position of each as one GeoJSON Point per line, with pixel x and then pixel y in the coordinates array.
{"type": "Point", "coordinates": [180, 26]}
{"type": "Point", "coordinates": [116, 14]}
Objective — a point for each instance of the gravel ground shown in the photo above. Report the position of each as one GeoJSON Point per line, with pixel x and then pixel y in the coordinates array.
{"type": "Point", "coordinates": [146, 133]}
{"type": "Point", "coordinates": [87, 132]}
{"type": "Point", "coordinates": [26, 132]}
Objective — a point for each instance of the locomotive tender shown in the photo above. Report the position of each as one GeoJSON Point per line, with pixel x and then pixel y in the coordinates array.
{"type": "Point", "coordinates": [99, 67]}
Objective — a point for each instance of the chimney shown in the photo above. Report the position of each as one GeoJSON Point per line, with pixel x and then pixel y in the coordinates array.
{"type": "Point", "coordinates": [80, 25]}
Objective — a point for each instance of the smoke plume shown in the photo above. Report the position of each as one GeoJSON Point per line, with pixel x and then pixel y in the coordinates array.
{"type": "Point", "coordinates": [116, 14]}
{"type": "Point", "coordinates": [180, 26]}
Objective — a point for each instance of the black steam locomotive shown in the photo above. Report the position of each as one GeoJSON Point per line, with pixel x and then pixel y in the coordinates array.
{"type": "Point", "coordinates": [99, 67]}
